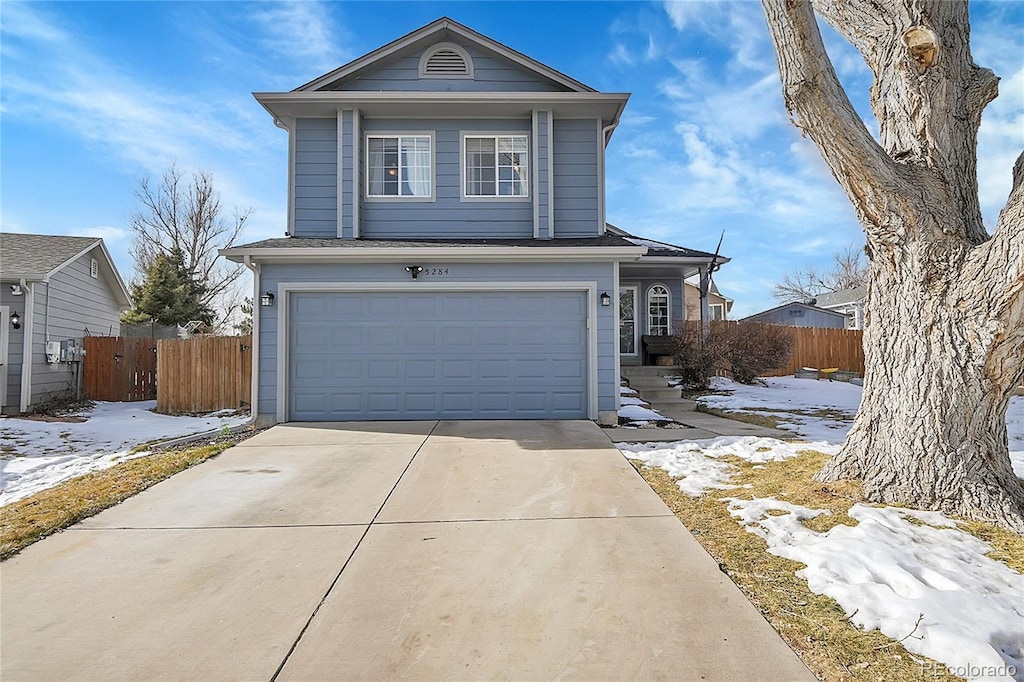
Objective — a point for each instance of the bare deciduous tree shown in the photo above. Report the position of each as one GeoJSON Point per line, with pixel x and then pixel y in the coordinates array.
{"type": "Point", "coordinates": [944, 331]}
{"type": "Point", "coordinates": [849, 270]}
{"type": "Point", "coordinates": [184, 212]}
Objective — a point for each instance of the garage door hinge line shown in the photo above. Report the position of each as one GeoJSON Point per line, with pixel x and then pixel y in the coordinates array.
{"type": "Point", "coordinates": [347, 560]}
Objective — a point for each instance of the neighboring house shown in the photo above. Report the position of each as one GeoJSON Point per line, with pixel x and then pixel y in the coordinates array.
{"type": "Point", "coordinates": [718, 305]}
{"type": "Point", "coordinates": [447, 252]}
{"type": "Point", "coordinates": [849, 302]}
{"type": "Point", "coordinates": [56, 290]}
{"type": "Point", "coordinates": [800, 315]}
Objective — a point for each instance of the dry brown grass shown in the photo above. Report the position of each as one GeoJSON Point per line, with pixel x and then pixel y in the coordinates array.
{"type": "Point", "coordinates": [814, 626]}
{"type": "Point", "coordinates": [52, 510]}
{"type": "Point", "coordinates": [758, 419]}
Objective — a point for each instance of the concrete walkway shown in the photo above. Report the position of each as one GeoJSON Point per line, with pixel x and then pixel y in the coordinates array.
{"type": "Point", "coordinates": [427, 550]}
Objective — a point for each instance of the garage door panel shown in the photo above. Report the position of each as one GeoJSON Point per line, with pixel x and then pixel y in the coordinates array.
{"type": "Point", "coordinates": [437, 354]}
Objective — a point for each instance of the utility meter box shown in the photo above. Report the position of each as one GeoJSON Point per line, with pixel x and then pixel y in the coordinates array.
{"type": "Point", "coordinates": [53, 352]}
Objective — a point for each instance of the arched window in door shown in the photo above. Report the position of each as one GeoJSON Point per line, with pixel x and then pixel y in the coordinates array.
{"type": "Point", "coordinates": [658, 307]}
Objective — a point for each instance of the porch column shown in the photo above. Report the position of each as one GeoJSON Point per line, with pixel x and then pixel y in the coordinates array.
{"type": "Point", "coordinates": [705, 309]}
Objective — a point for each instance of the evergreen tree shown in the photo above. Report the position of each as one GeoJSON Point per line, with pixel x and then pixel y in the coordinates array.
{"type": "Point", "coordinates": [168, 295]}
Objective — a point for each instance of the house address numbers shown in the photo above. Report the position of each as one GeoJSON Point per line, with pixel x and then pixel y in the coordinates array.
{"type": "Point", "coordinates": [435, 272]}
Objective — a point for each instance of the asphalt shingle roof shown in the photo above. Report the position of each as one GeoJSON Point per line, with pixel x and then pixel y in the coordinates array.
{"type": "Point", "coordinates": [38, 254]}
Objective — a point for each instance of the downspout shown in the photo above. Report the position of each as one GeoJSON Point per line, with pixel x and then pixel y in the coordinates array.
{"type": "Point", "coordinates": [26, 350]}
{"type": "Point", "coordinates": [256, 311]}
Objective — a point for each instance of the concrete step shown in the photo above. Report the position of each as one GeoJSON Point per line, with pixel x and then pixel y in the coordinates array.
{"type": "Point", "coordinates": [655, 395]}
{"type": "Point", "coordinates": [642, 382]}
{"type": "Point", "coordinates": [647, 370]}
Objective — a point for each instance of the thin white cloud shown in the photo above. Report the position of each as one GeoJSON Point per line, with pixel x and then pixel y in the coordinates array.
{"type": "Point", "coordinates": [302, 32]}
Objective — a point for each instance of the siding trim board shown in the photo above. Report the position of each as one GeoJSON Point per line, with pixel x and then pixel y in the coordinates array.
{"type": "Point", "coordinates": [284, 289]}
{"type": "Point", "coordinates": [341, 174]}
{"type": "Point", "coordinates": [442, 253]}
{"type": "Point", "coordinates": [28, 341]}
{"type": "Point", "coordinates": [357, 168]}
{"type": "Point", "coordinates": [535, 176]}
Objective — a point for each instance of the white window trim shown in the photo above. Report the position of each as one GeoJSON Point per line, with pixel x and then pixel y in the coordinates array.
{"type": "Point", "coordinates": [522, 198]}
{"type": "Point", "coordinates": [711, 309]}
{"type": "Point", "coordinates": [399, 134]}
{"type": "Point", "coordinates": [459, 50]}
{"type": "Point", "coordinates": [283, 306]}
{"type": "Point", "coordinates": [668, 303]}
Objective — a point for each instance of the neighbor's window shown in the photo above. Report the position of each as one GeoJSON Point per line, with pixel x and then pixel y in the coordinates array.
{"type": "Point", "coordinates": [398, 166]}
{"type": "Point", "coordinates": [717, 311]}
{"type": "Point", "coordinates": [657, 310]}
{"type": "Point", "coordinates": [497, 166]}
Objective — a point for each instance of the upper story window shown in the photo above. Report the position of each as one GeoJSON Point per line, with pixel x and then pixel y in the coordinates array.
{"type": "Point", "coordinates": [399, 166]}
{"type": "Point", "coordinates": [717, 311]}
{"type": "Point", "coordinates": [446, 60]}
{"type": "Point", "coordinates": [658, 307]}
{"type": "Point", "coordinates": [496, 166]}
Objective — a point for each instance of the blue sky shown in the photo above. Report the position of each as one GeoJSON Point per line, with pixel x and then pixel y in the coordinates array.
{"type": "Point", "coordinates": [95, 95]}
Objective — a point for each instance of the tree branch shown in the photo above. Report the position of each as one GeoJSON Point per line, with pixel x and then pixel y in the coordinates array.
{"type": "Point", "coordinates": [818, 105]}
{"type": "Point", "coordinates": [928, 94]}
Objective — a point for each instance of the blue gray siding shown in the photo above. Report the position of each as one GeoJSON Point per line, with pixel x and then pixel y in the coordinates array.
{"type": "Point", "coordinates": [491, 73]}
{"type": "Point", "coordinates": [576, 188]}
{"type": "Point", "coordinates": [73, 305]}
{"type": "Point", "coordinates": [448, 215]}
{"type": "Point", "coordinates": [564, 190]}
{"type": "Point", "coordinates": [316, 177]}
{"type": "Point", "coordinates": [274, 274]}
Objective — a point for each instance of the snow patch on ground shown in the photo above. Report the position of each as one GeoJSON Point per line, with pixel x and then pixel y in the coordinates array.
{"type": "Point", "coordinates": [35, 455]}
{"type": "Point", "coordinates": [798, 403]}
{"type": "Point", "coordinates": [637, 413]}
{"type": "Point", "coordinates": [697, 466]}
{"type": "Point", "coordinates": [887, 571]}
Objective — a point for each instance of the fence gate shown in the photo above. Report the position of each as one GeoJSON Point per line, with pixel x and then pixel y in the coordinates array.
{"type": "Point", "coordinates": [203, 374]}
{"type": "Point", "coordinates": [119, 369]}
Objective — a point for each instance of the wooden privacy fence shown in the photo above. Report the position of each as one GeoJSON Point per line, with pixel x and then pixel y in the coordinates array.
{"type": "Point", "coordinates": [823, 348]}
{"type": "Point", "coordinates": [119, 369]}
{"type": "Point", "coordinates": [203, 374]}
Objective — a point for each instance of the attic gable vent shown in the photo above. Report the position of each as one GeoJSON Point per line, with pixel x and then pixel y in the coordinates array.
{"type": "Point", "coordinates": [446, 60]}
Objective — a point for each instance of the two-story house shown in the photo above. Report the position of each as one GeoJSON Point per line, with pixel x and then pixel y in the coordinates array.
{"type": "Point", "coordinates": [447, 254]}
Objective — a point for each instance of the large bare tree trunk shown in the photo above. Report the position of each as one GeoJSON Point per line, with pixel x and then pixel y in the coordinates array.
{"type": "Point", "coordinates": [944, 327]}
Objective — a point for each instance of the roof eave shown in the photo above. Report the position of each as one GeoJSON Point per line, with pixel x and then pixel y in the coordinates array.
{"type": "Point", "coordinates": [285, 105]}
{"type": "Point", "coordinates": [321, 254]}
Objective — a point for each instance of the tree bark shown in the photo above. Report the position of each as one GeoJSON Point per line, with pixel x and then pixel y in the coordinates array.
{"type": "Point", "coordinates": [944, 323]}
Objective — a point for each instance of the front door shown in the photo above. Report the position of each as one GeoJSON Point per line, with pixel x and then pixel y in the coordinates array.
{"type": "Point", "coordinates": [628, 339]}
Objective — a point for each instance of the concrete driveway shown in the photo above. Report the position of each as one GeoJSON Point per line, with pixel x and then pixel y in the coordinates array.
{"type": "Point", "coordinates": [424, 550]}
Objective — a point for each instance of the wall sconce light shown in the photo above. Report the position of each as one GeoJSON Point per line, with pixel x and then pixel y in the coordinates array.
{"type": "Point", "coordinates": [413, 270]}
{"type": "Point", "coordinates": [606, 299]}
{"type": "Point", "coordinates": [267, 299]}
{"type": "Point", "coordinates": [15, 290]}
{"type": "Point", "coordinates": [16, 320]}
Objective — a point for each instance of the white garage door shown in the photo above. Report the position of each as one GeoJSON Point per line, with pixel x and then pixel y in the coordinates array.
{"type": "Point", "coordinates": [427, 355]}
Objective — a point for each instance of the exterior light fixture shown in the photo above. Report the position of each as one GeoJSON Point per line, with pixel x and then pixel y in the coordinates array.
{"type": "Point", "coordinates": [16, 320]}
{"type": "Point", "coordinates": [606, 299]}
{"type": "Point", "coordinates": [15, 290]}
{"type": "Point", "coordinates": [413, 270]}
{"type": "Point", "coordinates": [267, 299]}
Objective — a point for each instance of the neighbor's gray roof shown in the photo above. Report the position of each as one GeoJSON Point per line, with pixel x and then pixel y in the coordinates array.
{"type": "Point", "coordinates": [335, 243]}
{"type": "Point", "coordinates": [656, 248]}
{"type": "Point", "coordinates": [842, 297]}
{"type": "Point", "coordinates": [796, 304]}
{"type": "Point", "coordinates": [36, 255]}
